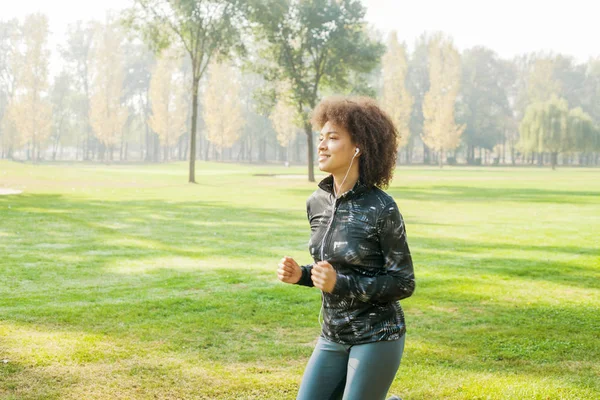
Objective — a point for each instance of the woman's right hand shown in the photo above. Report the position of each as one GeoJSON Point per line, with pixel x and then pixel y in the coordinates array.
{"type": "Point", "coordinates": [289, 271]}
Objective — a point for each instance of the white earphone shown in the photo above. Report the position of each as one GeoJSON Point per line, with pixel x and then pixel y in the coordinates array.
{"type": "Point", "coordinates": [356, 151]}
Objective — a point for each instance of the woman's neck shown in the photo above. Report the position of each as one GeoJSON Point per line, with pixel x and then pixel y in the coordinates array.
{"type": "Point", "coordinates": [348, 184]}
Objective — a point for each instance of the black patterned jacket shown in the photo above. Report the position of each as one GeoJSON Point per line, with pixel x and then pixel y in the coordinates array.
{"type": "Point", "coordinates": [366, 245]}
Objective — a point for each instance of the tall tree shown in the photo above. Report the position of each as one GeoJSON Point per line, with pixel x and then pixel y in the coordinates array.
{"type": "Point", "coordinates": [592, 90]}
{"type": "Point", "coordinates": [542, 83]}
{"type": "Point", "coordinates": [440, 132]}
{"type": "Point", "coordinates": [205, 28]}
{"type": "Point", "coordinates": [483, 106]}
{"type": "Point", "coordinates": [284, 120]}
{"type": "Point", "coordinates": [108, 112]}
{"type": "Point", "coordinates": [139, 63]}
{"type": "Point", "coordinates": [222, 106]}
{"type": "Point", "coordinates": [418, 86]}
{"type": "Point", "coordinates": [396, 99]}
{"type": "Point", "coordinates": [77, 54]}
{"type": "Point", "coordinates": [545, 128]}
{"type": "Point", "coordinates": [10, 39]}
{"type": "Point", "coordinates": [62, 111]}
{"type": "Point", "coordinates": [32, 110]}
{"type": "Point", "coordinates": [169, 108]}
{"type": "Point", "coordinates": [583, 133]}
{"type": "Point", "coordinates": [311, 43]}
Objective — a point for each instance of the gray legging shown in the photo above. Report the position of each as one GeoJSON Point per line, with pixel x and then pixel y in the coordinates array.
{"type": "Point", "coordinates": [365, 371]}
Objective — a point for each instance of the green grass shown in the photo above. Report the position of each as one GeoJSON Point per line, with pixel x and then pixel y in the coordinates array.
{"type": "Point", "coordinates": [125, 282]}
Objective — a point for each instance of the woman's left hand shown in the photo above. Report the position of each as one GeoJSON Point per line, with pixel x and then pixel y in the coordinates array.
{"type": "Point", "coordinates": [324, 276]}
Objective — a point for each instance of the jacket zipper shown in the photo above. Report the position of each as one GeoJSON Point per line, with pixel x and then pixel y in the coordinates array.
{"type": "Point", "coordinates": [335, 207]}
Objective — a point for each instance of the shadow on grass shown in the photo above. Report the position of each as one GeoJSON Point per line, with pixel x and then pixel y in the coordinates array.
{"type": "Point", "coordinates": [478, 194]}
{"type": "Point", "coordinates": [166, 278]}
{"type": "Point", "coordinates": [443, 193]}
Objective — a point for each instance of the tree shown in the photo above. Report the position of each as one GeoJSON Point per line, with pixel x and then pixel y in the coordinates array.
{"type": "Point", "coordinates": [440, 132]}
{"type": "Point", "coordinates": [418, 86]}
{"type": "Point", "coordinates": [542, 83]}
{"type": "Point", "coordinates": [545, 127]}
{"type": "Point", "coordinates": [169, 108]}
{"type": "Point", "coordinates": [313, 43]}
{"type": "Point", "coordinates": [205, 28]}
{"type": "Point", "coordinates": [484, 107]}
{"type": "Point", "coordinates": [9, 59]}
{"type": "Point", "coordinates": [592, 93]}
{"type": "Point", "coordinates": [31, 110]}
{"type": "Point", "coordinates": [222, 107]}
{"type": "Point", "coordinates": [584, 134]}
{"type": "Point", "coordinates": [62, 112]}
{"type": "Point", "coordinates": [77, 54]}
{"type": "Point", "coordinates": [139, 62]}
{"type": "Point", "coordinates": [396, 100]}
{"type": "Point", "coordinates": [283, 118]}
{"type": "Point", "coordinates": [108, 113]}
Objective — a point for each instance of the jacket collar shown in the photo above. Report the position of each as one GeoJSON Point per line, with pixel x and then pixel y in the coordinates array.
{"type": "Point", "coordinates": [327, 185]}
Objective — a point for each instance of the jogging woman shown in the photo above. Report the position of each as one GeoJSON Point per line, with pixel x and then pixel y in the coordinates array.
{"type": "Point", "coordinates": [362, 263]}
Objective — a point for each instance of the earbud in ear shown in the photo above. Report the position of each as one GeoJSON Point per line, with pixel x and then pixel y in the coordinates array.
{"type": "Point", "coordinates": [356, 151]}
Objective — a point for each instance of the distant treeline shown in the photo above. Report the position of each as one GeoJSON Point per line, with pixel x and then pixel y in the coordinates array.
{"type": "Point", "coordinates": [161, 77]}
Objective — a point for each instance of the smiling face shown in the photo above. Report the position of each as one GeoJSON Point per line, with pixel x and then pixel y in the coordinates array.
{"type": "Point", "coordinates": [335, 149]}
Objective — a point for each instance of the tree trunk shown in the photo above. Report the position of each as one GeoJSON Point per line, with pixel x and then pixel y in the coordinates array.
{"type": "Point", "coordinates": [470, 154]}
{"type": "Point", "coordinates": [441, 160]}
{"type": "Point", "coordinates": [55, 147]}
{"type": "Point", "coordinates": [249, 153]}
{"type": "Point", "coordinates": [156, 148]}
{"type": "Point", "coordinates": [297, 154]}
{"type": "Point", "coordinates": [512, 155]}
{"type": "Point", "coordinates": [185, 149]}
{"type": "Point", "coordinates": [553, 159]}
{"type": "Point", "coordinates": [310, 153]}
{"type": "Point", "coordinates": [262, 150]}
{"type": "Point", "coordinates": [192, 172]}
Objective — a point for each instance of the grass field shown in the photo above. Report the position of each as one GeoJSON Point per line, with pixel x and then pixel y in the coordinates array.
{"type": "Point", "coordinates": [125, 282]}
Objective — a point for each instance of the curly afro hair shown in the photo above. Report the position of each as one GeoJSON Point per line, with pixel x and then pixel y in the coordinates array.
{"type": "Point", "coordinates": [370, 128]}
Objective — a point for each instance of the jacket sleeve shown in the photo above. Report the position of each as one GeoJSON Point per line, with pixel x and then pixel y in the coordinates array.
{"type": "Point", "coordinates": [306, 280]}
{"type": "Point", "coordinates": [398, 280]}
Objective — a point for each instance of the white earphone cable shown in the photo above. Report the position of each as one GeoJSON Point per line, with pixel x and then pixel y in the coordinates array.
{"type": "Point", "coordinates": [335, 199]}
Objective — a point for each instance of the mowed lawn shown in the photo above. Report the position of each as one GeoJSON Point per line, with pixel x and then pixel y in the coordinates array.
{"type": "Point", "coordinates": [126, 282]}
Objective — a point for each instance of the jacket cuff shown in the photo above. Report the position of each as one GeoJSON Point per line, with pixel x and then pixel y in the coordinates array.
{"type": "Point", "coordinates": [305, 279]}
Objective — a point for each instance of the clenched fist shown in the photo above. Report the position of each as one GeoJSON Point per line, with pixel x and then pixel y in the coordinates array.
{"type": "Point", "coordinates": [324, 276]}
{"type": "Point", "coordinates": [289, 271]}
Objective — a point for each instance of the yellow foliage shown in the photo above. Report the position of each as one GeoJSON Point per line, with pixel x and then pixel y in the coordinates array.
{"type": "Point", "coordinates": [396, 99]}
{"type": "Point", "coordinates": [107, 113]}
{"type": "Point", "coordinates": [31, 112]}
{"type": "Point", "coordinates": [440, 131]}
{"type": "Point", "coordinates": [222, 107]}
{"type": "Point", "coordinates": [168, 100]}
{"type": "Point", "coordinates": [283, 117]}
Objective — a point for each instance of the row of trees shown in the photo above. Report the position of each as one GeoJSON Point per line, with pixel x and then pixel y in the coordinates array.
{"type": "Point", "coordinates": [246, 74]}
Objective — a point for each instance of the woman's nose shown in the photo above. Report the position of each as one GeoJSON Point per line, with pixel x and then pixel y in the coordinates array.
{"type": "Point", "coordinates": [322, 145]}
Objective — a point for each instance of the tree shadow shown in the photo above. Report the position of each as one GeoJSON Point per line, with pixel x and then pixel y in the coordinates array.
{"type": "Point", "coordinates": [189, 279]}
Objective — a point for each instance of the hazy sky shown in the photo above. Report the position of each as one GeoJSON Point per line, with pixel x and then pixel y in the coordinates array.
{"type": "Point", "coordinates": [509, 27]}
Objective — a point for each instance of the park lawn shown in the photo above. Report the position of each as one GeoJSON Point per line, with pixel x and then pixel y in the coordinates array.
{"type": "Point", "coordinates": [126, 282]}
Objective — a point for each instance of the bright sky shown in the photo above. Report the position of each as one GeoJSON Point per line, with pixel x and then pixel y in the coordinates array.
{"type": "Point", "coordinates": [509, 27]}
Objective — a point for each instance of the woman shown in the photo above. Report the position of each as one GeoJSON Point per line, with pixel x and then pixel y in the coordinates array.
{"type": "Point", "coordinates": [362, 261]}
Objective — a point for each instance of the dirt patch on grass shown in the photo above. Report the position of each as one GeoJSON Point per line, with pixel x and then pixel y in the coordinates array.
{"type": "Point", "coordinates": [6, 192]}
